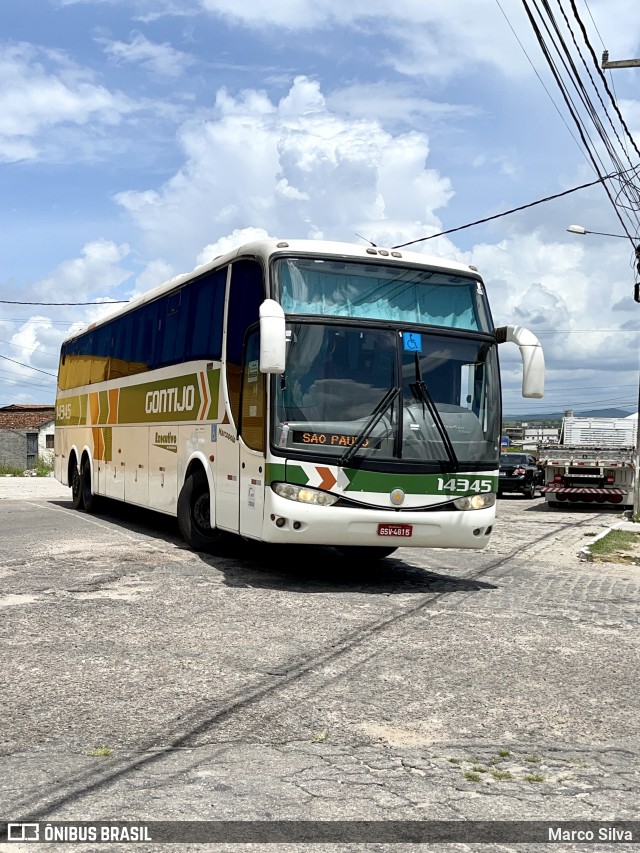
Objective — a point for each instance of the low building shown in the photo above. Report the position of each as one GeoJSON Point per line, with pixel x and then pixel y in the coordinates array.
{"type": "Point", "coordinates": [26, 433]}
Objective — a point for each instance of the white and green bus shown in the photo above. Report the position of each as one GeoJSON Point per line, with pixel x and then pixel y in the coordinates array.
{"type": "Point", "coordinates": [297, 392]}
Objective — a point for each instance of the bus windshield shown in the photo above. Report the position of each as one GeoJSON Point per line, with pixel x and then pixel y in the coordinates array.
{"type": "Point", "coordinates": [325, 287]}
{"type": "Point", "coordinates": [338, 391]}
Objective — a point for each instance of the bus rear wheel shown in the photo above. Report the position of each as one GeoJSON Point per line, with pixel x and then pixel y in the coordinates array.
{"type": "Point", "coordinates": [75, 481]}
{"type": "Point", "coordinates": [194, 518]}
{"type": "Point", "coordinates": [89, 499]}
{"type": "Point", "coordinates": [362, 553]}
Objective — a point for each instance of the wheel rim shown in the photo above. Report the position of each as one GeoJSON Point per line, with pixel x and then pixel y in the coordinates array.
{"type": "Point", "coordinates": [200, 512]}
{"type": "Point", "coordinates": [75, 483]}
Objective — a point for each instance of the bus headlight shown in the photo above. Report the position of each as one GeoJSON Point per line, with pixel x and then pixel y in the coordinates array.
{"type": "Point", "coordinates": [475, 501]}
{"type": "Point", "coordinates": [304, 495]}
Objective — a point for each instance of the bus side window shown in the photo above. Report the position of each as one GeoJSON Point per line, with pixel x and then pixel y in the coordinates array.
{"type": "Point", "coordinates": [206, 315]}
{"type": "Point", "coordinates": [253, 398]}
{"type": "Point", "coordinates": [100, 352]}
{"type": "Point", "coordinates": [121, 362]}
{"type": "Point", "coordinates": [81, 370]}
{"type": "Point", "coordinates": [145, 329]}
{"type": "Point", "coordinates": [246, 295]}
{"type": "Point", "coordinates": [174, 314]}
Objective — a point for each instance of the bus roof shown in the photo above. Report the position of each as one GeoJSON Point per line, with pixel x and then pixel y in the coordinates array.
{"type": "Point", "coordinates": [271, 247]}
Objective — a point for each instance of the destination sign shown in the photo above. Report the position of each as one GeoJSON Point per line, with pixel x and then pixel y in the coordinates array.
{"type": "Point", "coordinates": [332, 439]}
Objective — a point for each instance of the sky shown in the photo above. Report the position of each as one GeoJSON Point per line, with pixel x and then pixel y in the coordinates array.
{"type": "Point", "coordinates": [140, 138]}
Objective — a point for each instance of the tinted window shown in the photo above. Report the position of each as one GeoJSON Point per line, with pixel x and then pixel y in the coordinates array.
{"type": "Point", "coordinates": [246, 296]}
{"type": "Point", "coordinates": [206, 310]}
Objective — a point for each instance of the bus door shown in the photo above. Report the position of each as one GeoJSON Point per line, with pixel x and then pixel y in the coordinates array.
{"type": "Point", "coordinates": [252, 439]}
{"type": "Point", "coordinates": [245, 295]}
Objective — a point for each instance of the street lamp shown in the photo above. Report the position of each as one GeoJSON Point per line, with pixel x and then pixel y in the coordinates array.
{"type": "Point", "coordinates": [580, 229]}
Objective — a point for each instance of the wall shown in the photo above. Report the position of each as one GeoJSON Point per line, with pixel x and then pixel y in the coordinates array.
{"type": "Point", "coordinates": [13, 447]}
{"type": "Point", "coordinates": [43, 451]}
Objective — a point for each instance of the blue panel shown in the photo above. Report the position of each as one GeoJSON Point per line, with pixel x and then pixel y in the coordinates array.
{"type": "Point", "coordinates": [412, 342]}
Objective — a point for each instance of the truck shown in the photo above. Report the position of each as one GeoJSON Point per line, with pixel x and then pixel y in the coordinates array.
{"type": "Point", "coordinates": [594, 461]}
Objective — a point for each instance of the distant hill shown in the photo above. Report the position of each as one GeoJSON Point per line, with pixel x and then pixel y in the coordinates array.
{"type": "Point", "coordinates": [557, 416]}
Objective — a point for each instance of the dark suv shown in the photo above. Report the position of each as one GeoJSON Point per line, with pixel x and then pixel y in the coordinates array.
{"type": "Point", "coordinates": [519, 472]}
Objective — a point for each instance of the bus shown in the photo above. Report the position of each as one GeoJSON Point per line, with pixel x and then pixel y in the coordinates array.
{"type": "Point", "coordinates": [297, 391]}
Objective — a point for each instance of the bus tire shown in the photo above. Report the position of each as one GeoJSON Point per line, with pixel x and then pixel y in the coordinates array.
{"type": "Point", "coordinates": [193, 513]}
{"type": "Point", "coordinates": [75, 481]}
{"type": "Point", "coordinates": [89, 499]}
{"type": "Point", "coordinates": [363, 553]}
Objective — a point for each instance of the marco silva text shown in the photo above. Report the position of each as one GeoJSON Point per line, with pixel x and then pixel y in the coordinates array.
{"type": "Point", "coordinates": [609, 832]}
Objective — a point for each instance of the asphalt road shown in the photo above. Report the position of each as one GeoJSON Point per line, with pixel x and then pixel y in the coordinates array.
{"type": "Point", "coordinates": [273, 684]}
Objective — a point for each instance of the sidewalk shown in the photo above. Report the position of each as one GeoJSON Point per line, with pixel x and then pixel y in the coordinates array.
{"type": "Point", "coordinates": [37, 488]}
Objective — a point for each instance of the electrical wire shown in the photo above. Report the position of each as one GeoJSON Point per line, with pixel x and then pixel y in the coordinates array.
{"type": "Point", "coordinates": [22, 364]}
{"type": "Point", "coordinates": [16, 302]}
{"type": "Point", "coordinates": [505, 213]}
{"type": "Point", "coordinates": [584, 135]}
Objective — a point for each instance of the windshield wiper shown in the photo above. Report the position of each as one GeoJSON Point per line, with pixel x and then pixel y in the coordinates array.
{"type": "Point", "coordinates": [370, 425]}
{"type": "Point", "coordinates": [421, 392]}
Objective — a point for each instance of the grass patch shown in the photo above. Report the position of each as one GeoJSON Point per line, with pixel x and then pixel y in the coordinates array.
{"type": "Point", "coordinates": [10, 471]}
{"type": "Point", "coordinates": [42, 468]}
{"type": "Point", "coordinates": [615, 540]}
{"type": "Point", "coordinates": [101, 752]}
{"type": "Point", "coordinates": [470, 776]}
{"type": "Point", "coordinates": [533, 759]}
{"type": "Point", "coordinates": [501, 775]}
{"type": "Point", "coordinates": [454, 761]}
{"type": "Point", "coordinates": [533, 777]}
{"type": "Point", "coordinates": [504, 753]}
{"type": "Point", "coordinates": [478, 768]}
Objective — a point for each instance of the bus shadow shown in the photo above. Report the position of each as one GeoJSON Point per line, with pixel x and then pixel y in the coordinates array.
{"type": "Point", "coordinates": [136, 519]}
{"type": "Point", "coordinates": [294, 568]}
{"type": "Point", "coordinates": [313, 570]}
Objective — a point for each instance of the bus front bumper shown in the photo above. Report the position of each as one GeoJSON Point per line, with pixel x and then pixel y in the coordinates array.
{"type": "Point", "coordinates": [287, 521]}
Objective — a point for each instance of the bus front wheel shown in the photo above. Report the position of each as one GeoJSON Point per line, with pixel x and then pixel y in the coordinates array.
{"type": "Point", "coordinates": [194, 518]}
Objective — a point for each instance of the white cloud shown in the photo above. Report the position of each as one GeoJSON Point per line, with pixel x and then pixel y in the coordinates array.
{"type": "Point", "coordinates": [160, 59]}
{"type": "Point", "coordinates": [396, 102]}
{"type": "Point", "coordinates": [33, 100]}
{"type": "Point", "coordinates": [292, 169]}
{"type": "Point", "coordinates": [562, 292]}
{"type": "Point", "coordinates": [154, 274]}
{"type": "Point", "coordinates": [90, 277]}
{"type": "Point", "coordinates": [230, 242]}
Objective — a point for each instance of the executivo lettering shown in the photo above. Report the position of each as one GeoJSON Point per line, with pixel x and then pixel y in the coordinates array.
{"type": "Point", "coordinates": [167, 441]}
{"type": "Point", "coordinates": [170, 400]}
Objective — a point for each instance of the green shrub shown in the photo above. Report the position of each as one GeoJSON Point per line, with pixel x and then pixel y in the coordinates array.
{"type": "Point", "coordinates": [43, 467]}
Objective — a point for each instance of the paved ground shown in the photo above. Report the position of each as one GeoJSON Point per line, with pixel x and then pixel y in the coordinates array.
{"type": "Point", "coordinates": [272, 684]}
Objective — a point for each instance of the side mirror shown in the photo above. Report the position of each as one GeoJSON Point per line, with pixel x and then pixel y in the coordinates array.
{"type": "Point", "coordinates": [531, 355]}
{"type": "Point", "coordinates": [272, 337]}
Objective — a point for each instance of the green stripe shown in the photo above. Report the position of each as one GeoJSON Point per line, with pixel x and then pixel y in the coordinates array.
{"type": "Point", "coordinates": [457, 485]}
{"type": "Point", "coordinates": [416, 484]}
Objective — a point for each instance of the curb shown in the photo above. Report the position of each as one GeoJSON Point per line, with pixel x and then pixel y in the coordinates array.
{"type": "Point", "coordinates": [585, 554]}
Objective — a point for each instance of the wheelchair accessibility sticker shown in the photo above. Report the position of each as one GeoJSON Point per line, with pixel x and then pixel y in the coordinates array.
{"type": "Point", "coordinates": [411, 342]}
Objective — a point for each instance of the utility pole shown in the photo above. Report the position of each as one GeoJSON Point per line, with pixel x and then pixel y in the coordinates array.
{"type": "Point", "coordinates": [619, 63]}
{"type": "Point", "coordinates": [631, 63]}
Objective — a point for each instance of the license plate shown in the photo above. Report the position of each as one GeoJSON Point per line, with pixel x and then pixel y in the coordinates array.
{"type": "Point", "coordinates": [395, 530]}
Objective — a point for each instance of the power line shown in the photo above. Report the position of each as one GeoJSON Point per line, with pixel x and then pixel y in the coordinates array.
{"type": "Point", "coordinates": [22, 364]}
{"type": "Point", "coordinates": [29, 349]}
{"type": "Point", "coordinates": [16, 302]}
{"type": "Point", "coordinates": [506, 212]}
{"type": "Point", "coordinates": [584, 135]}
